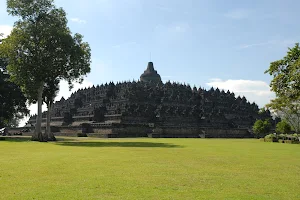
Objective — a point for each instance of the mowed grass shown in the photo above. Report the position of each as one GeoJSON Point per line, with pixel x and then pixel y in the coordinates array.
{"type": "Point", "coordinates": [149, 169]}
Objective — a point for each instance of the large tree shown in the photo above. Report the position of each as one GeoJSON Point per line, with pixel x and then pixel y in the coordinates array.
{"type": "Point", "coordinates": [286, 76]}
{"type": "Point", "coordinates": [50, 92]}
{"type": "Point", "coordinates": [12, 101]}
{"type": "Point", "coordinates": [286, 85]}
{"type": "Point", "coordinates": [41, 49]}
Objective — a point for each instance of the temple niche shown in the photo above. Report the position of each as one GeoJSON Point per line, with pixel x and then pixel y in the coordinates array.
{"type": "Point", "coordinates": [166, 105]}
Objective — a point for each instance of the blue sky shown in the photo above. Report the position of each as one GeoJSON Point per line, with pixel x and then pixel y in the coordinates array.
{"type": "Point", "coordinates": [226, 44]}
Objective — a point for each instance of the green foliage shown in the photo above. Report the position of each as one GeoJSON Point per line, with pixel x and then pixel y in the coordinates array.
{"type": "Point", "coordinates": [41, 51]}
{"type": "Point", "coordinates": [283, 127]}
{"type": "Point", "coordinates": [261, 128]}
{"type": "Point", "coordinates": [291, 141]}
{"type": "Point", "coordinates": [282, 138]}
{"type": "Point", "coordinates": [286, 77]}
{"type": "Point", "coordinates": [286, 85]}
{"type": "Point", "coordinates": [12, 100]}
{"type": "Point", "coordinates": [271, 138]}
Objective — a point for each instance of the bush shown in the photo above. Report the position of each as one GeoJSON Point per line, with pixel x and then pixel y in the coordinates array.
{"type": "Point", "coordinates": [2, 138]}
{"type": "Point", "coordinates": [271, 138]}
{"type": "Point", "coordinates": [81, 135]}
{"type": "Point", "coordinates": [268, 139]}
{"type": "Point", "coordinates": [281, 141]}
{"type": "Point", "coordinates": [261, 128]}
{"type": "Point", "coordinates": [282, 136]}
{"type": "Point", "coordinates": [283, 127]}
{"type": "Point", "coordinates": [291, 142]}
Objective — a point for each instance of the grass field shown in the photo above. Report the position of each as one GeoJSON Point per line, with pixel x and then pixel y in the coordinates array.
{"type": "Point", "coordinates": [149, 169]}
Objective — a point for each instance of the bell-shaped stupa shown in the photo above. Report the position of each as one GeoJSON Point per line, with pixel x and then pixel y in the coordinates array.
{"type": "Point", "coordinates": [150, 75]}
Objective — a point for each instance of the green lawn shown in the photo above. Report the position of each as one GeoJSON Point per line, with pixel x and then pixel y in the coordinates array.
{"type": "Point", "coordinates": [149, 169]}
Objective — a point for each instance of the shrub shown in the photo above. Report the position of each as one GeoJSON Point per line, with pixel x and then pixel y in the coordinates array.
{"type": "Point", "coordinates": [283, 127]}
{"type": "Point", "coordinates": [268, 139]}
{"type": "Point", "coordinates": [282, 136]}
{"type": "Point", "coordinates": [2, 138]}
{"type": "Point", "coordinates": [281, 141]}
{"type": "Point", "coordinates": [291, 142]}
{"type": "Point", "coordinates": [261, 128]}
{"type": "Point", "coordinates": [271, 138]}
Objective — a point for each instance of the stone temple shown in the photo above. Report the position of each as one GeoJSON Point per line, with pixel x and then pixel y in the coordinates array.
{"type": "Point", "coordinates": [149, 107]}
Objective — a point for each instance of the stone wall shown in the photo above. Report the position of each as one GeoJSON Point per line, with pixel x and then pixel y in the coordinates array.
{"type": "Point", "coordinates": [197, 133]}
{"type": "Point", "coordinates": [144, 131]}
{"type": "Point", "coordinates": [131, 131]}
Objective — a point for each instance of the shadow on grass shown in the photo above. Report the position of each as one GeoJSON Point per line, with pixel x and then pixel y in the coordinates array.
{"type": "Point", "coordinates": [15, 139]}
{"type": "Point", "coordinates": [28, 139]}
{"type": "Point", "coordinates": [119, 144]}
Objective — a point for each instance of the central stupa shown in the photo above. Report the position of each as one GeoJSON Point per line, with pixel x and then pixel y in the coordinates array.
{"type": "Point", "coordinates": [150, 75]}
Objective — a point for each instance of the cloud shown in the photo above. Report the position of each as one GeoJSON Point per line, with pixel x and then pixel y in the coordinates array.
{"type": "Point", "coordinates": [254, 90]}
{"type": "Point", "coordinates": [6, 30]}
{"type": "Point", "coordinates": [63, 92]}
{"type": "Point", "coordinates": [238, 14]}
{"type": "Point", "coordinates": [77, 20]}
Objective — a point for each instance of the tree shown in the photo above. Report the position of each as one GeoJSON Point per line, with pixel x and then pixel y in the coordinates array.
{"type": "Point", "coordinates": [50, 92]}
{"type": "Point", "coordinates": [42, 50]}
{"type": "Point", "coordinates": [12, 101]}
{"type": "Point", "coordinates": [261, 128]}
{"type": "Point", "coordinates": [286, 76]}
{"type": "Point", "coordinates": [283, 127]}
{"type": "Point", "coordinates": [287, 110]}
{"type": "Point", "coordinates": [286, 85]}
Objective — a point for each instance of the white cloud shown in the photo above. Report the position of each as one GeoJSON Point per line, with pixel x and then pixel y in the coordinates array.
{"type": "Point", "coordinates": [63, 92]}
{"type": "Point", "coordinates": [6, 30]}
{"type": "Point", "coordinates": [77, 20]}
{"type": "Point", "coordinates": [254, 90]}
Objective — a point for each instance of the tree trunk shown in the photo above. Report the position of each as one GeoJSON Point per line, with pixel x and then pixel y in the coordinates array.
{"type": "Point", "coordinates": [50, 135]}
{"type": "Point", "coordinates": [38, 136]}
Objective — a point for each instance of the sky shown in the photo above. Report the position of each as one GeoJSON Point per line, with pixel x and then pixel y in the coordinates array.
{"type": "Point", "coordinates": [213, 43]}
